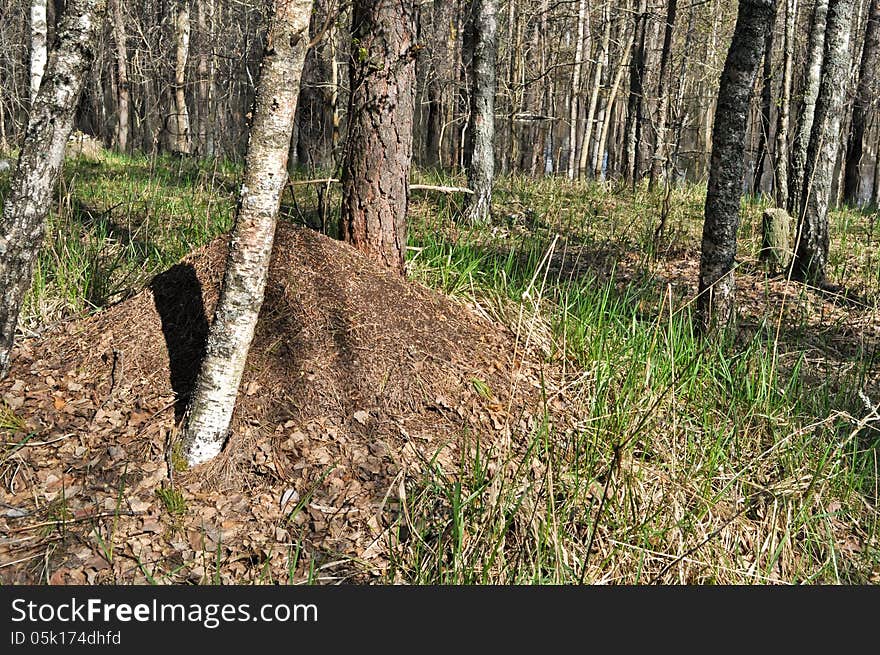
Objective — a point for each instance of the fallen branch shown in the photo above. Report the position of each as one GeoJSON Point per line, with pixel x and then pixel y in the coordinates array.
{"type": "Point", "coordinates": [412, 187]}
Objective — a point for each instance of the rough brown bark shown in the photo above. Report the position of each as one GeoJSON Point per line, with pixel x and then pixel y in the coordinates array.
{"type": "Point", "coordinates": [811, 255]}
{"type": "Point", "coordinates": [715, 302]}
{"type": "Point", "coordinates": [375, 176]}
{"type": "Point", "coordinates": [866, 96]}
{"type": "Point", "coordinates": [39, 163]}
{"type": "Point", "coordinates": [250, 246]}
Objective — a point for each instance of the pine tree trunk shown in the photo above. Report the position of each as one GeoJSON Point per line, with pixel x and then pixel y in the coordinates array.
{"type": "Point", "coordinates": [39, 163]}
{"type": "Point", "coordinates": [375, 177]}
{"type": "Point", "coordinates": [811, 255]}
{"type": "Point", "coordinates": [866, 95]}
{"type": "Point", "coordinates": [715, 302]}
{"type": "Point", "coordinates": [479, 43]}
{"type": "Point", "coordinates": [780, 151]}
{"type": "Point", "coordinates": [122, 81]}
{"type": "Point", "coordinates": [250, 247]}
{"type": "Point", "coordinates": [812, 74]}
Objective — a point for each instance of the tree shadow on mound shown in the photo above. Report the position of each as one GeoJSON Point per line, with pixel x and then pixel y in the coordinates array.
{"type": "Point", "coordinates": [177, 294]}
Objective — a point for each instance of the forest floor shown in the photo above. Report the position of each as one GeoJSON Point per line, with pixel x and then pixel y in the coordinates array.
{"type": "Point", "coordinates": [531, 406]}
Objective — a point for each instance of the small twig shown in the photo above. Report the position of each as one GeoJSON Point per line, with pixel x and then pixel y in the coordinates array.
{"type": "Point", "coordinates": [79, 519]}
{"type": "Point", "coordinates": [441, 189]}
{"type": "Point", "coordinates": [20, 444]}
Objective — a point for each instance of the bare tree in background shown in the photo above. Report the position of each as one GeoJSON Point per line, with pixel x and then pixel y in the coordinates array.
{"type": "Point", "coordinates": [25, 208]}
{"type": "Point", "coordinates": [250, 245]}
{"type": "Point", "coordinates": [715, 302]}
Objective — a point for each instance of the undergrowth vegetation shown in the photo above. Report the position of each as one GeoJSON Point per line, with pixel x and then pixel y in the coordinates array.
{"type": "Point", "coordinates": [751, 459]}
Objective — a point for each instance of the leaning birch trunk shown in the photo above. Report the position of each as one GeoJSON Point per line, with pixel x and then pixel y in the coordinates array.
{"type": "Point", "coordinates": [480, 41]}
{"type": "Point", "coordinates": [866, 96]}
{"type": "Point", "coordinates": [181, 138]}
{"type": "Point", "coordinates": [811, 254]}
{"type": "Point", "coordinates": [122, 82]}
{"type": "Point", "coordinates": [39, 50]}
{"type": "Point", "coordinates": [809, 91]}
{"type": "Point", "coordinates": [601, 62]}
{"type": "Point", "coordinates": [250, 247]}
{"type": "Point", "coordinates": [42, 154]}
{"type": "Point", "coordinates": [715, 302]}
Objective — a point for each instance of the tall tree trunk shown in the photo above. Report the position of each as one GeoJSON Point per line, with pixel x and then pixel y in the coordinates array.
{"type": "Point", "coordinates": [866, 96]}
{"type": "Point", "coordinates": [39, 163]}
{"type": "Point", "coordinates": [780, 151]}
{"type": "Point", "coordinates": [715, 302]}
{"type": "Point", "coordinates": [439, 82]}
{"type": "Point", "coordinates": [812, 74]}
{"type": "Point", "coordinates": [39, 45]}
{"type": "Point", "coordinates": [250, 245]}
{"type": "Point", "coordinates": [574, 100]}
{"type": "Point", "coordinates": [766, 101]}
{"type": "Point", "coordinates": [314, 147]}
{"type": "Point", "coordinates": [811, 254]}
{"type": "Point", "coordinates": [634, 118]}
{"type": "Point", "coordinates": [601, 144]}
{"type": "Point", "coordinates": [658, 161]}
{"type": "Point", "coordinates": [206, 68]}
{"type": "Point", "coordinates": [479, 39]}
{"type": "Point", "coordinates": [601, 62]}
{"type": "Point", "coordinates": [375, 178]}
{"type": "Point", "coordinates": [181, 138]}
{"type": "Point", "coordinates": [122, 82]}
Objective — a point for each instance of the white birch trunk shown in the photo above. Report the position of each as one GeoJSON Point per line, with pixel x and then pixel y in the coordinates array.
{"type": "Point", "coordinates": [210, 410]}
{"type": "Point", "coordinates": [39, 49]}
{"type": "Point", "coordinates": [22, 224]}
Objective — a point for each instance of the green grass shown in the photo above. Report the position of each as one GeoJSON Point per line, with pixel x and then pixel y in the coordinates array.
{"type": "Point", "coordinates": [749, 460]}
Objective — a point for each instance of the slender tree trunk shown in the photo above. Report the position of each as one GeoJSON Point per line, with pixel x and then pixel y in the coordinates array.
{"type": "Point", "coordinates": [206, 70]}
{"type": "Point", "coordinates": [866, 96]}
{"type": "Point", "coordinates": [658, 161]}
{"type": "Point", "coordinates": [811, 254]}
{"type": "Point", "coordinates": [375, 178]}
{"type": "Point", "coordinates": [574, 100]}
{"type": "Point", "coordinates": [715, 302]}
{"type": "Point", "coordinates": [314, 146]}
{"type": "Point", "coordinates": [599, 159]}
{"type": "Point", "coordinates": [122, 82]}
{"type": "Point", "coordinates": [601, 62]}
{"type": "Point", "coordinates": [780, 154]}
{"type": "Point", "coordinates": [250, 246]}
{"type": "Point", "coordinates": [764, 124]}
{"type": "Point", "coordinates": [39, 49]}
{"type": "Point", "coordinates": [439, 83]}
{"type": "Point", "coordinates": [812, 74]}
{"type": "Point", "coordinates": [634, 118]}
{"type": "Point", "coordinates": [479, 38]}
{"type": "Point", "coordinates": [181, 140]}
{"type": "Point", "coordinates": [39, 163]}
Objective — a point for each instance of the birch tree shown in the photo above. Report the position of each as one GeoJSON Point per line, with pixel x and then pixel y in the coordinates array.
{"type": "Point", "coordinates": [39, 163]}
{"type": "Point", "coordinates": [479, 42]}
{"type": "Point", "coordinates": [39, 44]}
{"type": "Point", "coordinates": [210, 409]}
{"type": "Point", "coordinates": [811, 252]}
{"type": "Point", "coordinates": [715, 302]}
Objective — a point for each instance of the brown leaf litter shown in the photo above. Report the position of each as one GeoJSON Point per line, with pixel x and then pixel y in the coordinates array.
{"type": "Point", "coordinates": [357, 382]}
